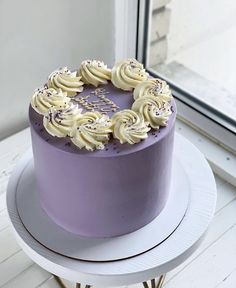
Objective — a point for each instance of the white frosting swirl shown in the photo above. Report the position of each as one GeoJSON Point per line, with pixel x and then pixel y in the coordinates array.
{"type": "Point", "coordinates": [92, 130]}
{"type": "Point", "coordinates": [44, 98]}
{"type": "Point", "coordinates": [154, 111]}
{"type": "Point", "coordinates": [153, 87]}
{"type": "Point", "coordinates": [59, 122]}
{"type": "Point", "coordinates": [94, 72]}
{"type": "Point", "coordinates": [127, 74]}
{"type": "Point", "coordinates": [129, 126]}
{"type": "Point", "coordinates": [66, 80]}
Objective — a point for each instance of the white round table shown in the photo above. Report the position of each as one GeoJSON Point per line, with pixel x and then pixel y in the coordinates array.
{"type": "Point", "coordinates": [149, 265]}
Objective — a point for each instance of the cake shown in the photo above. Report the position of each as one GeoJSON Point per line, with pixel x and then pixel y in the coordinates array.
{"type": "Point", "coordinates": [102, 144]}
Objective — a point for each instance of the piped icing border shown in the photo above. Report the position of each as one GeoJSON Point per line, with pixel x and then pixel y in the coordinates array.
{"type": "Point", "coordinates": [93, 129]}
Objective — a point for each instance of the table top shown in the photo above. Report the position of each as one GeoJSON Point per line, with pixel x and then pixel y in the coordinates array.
{"type": "Point", "coordinates": [161, 259]}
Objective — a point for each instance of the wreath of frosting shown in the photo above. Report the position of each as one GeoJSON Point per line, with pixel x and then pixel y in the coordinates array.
{"type": "Point", "coordinates": [153, 87]}
{"type": "Point", "coordinates": [92, 130]}
{"type": "Point", "coordinates": [65, 80]}
{"type": "Point", "coordinates": [127, 74]}
{"type": "Point", "coordinates": [154, 111]}
{"type": "Point", "coordinates": [129, 126]}
{"type": "Point", "coordinates": [59, 121]}
{"type": "Point", "coordinates": [94, 72]}
{"type": "Point", "coordinates": [45, 98]}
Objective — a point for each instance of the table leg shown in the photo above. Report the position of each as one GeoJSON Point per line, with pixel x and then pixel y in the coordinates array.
{"type": "Point", "coordinates": [78, 285]}
{"type": "Point", "coordinates": [161, 281]}
{"type": "Point", "coordinates": [153, 282]}
{"type": "Point", "coordinates": [62, 285]}
{"type": "Point", "coordinates": [145, 285]}
{"type": "Point", "coordinates": [59, 281]}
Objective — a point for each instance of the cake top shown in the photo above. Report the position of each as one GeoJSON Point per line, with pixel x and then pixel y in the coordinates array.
{"type": "Point", "coordinates": [91, 119]}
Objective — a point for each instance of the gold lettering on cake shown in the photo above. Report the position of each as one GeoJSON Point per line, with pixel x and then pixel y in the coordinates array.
{"type": "Point", "coordinates": [101, 104]}
{"type": "Point", "coordinates": [100, 92]}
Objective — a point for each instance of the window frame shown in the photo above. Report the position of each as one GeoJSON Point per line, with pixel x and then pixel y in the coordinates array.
{"type": "Point", "coordinates": [192, 110]}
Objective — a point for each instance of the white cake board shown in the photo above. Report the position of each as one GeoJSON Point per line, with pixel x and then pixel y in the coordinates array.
{"type": "Point", "coordinates": [55, 238]}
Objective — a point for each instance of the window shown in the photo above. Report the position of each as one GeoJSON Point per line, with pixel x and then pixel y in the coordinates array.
{"type": "Point", "coordinates": [192, 46]}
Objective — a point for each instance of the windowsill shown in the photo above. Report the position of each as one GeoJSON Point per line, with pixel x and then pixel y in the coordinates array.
{"type": "Point", "coordinates": [198, 85]}
{"type": "Point", "coordinates": [222, 162]}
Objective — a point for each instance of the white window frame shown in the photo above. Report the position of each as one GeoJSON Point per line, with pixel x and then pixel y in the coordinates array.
{"type": "Point", "coordinates": [126, 22]}
{"type": "Point", "coordinates": [190, 109]}
{"type": "Point", "coordinates": [131, 37]}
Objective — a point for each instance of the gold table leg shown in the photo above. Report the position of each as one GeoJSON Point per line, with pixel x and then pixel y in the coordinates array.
{"type": "Point", "coordinates": [62, 285]}
{"type": "Point", "coordinates": [153, 283]}
{"type": "Point", "coordinates": [161, 281]}
{"type": "Point", "coordinates": [59, 281]}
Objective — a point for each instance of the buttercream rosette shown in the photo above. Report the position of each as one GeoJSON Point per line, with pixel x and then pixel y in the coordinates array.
{"type": "Point", "coordinates": [154, 111]}
{"type": "Point", "coordinates": [91, 131]}
{"type": "Point", "coordinates": [127, 74]}
{"type": "Point", "coordinates": [44, 98]}
{"type": "Point", "coordinates": [153, 87]}
{"type": "Point", "coordinates": [65, 80]}
{"type": "Point", "coordinates": [94, 72]}
{"type": "Point", "coordinates": [129, 126]}
{"type": "Point", "coordinates": [59, 121]}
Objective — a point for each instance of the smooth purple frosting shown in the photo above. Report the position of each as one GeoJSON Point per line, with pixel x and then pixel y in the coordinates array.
{"type": "Point", "coordinates": [107, 192]}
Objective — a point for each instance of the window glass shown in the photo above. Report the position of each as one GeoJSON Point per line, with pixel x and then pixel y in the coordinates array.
{"type": "Point", "coordinates": [193, 43]}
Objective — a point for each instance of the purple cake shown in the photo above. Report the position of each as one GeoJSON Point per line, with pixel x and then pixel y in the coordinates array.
{"type": "Point", "coordinates": [102, 144]}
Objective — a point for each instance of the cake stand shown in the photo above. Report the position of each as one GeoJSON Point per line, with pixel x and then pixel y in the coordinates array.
{"type": "Point", "coordinates": [153, 263]}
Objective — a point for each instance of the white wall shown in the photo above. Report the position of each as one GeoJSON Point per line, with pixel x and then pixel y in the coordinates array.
{"type": "Point", "coordinates": [37, 37]}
